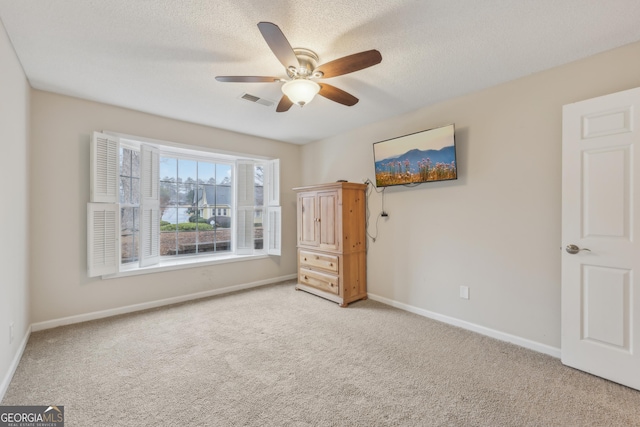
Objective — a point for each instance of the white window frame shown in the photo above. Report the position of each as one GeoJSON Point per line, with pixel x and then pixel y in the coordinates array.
{"type": "Point", "coordinates": [103, 199]}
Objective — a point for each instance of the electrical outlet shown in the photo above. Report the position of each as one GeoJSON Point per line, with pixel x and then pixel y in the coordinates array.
{"type": "Point", "coordinates": [464, 292]}
{"type": "Point", "coordinates": [10, 332]}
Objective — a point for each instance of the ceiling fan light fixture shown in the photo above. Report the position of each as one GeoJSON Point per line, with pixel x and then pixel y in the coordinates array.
{"type": "Point", "coordinates": [300, 91]}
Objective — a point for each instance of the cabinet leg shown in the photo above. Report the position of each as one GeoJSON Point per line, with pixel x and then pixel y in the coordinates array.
{"type": "Point", "coordinates": [343, 304]}
{"type": "Point", "coordinates": [297, 288]}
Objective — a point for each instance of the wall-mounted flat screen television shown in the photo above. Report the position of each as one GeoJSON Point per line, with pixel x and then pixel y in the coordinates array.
{"type": "Point", "coordinates": [425, 156]}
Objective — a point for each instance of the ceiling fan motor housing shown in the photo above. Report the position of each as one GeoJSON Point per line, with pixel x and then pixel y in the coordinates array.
{"type": "Point", "coordinates": [308, 61]}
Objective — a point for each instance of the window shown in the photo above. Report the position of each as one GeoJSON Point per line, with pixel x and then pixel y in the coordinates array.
{"type": "Point", "coordinates": [177, 205]}
{"type": "Point", "coordinates": [190, 190]}
{"type": "Point", "coordinates": [129, 204]}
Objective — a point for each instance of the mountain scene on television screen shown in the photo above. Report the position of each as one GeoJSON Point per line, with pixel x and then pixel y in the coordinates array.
{"type": "Point", "coordinates": [444, 155]}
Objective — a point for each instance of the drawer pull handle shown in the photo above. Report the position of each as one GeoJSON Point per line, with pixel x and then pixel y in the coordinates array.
{"type": "Point", "coordinates": [317, 257]}
{"type": "Point", "coordinates": [306, 278]}
{"type": "Point", "coordinates": [331, 265]}
{"type": "Point", "coordinates": [305, 258]}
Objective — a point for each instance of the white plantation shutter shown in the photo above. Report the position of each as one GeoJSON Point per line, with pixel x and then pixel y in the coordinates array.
{"type": "Point", "coordinates": [149, 205]}
{"type": "Point", "coordinates": [245, 204]}
{"type": "Point", "coordinates": [273, 226]}
{"type": "Point", "coordinates": [149, 236]}
{"type": "Point", "coordinates": [103, 215]}
{"type": "Point", "coordinates": [149, 173]}
{"type": "Point", "coordinates": [105, 157]}
{"type": "Point", "coordinates": [244, 228]}
{"type": "Point", "coordinates": [103, 238]}
{"type": "Point", "coordinates": [273, 230]}
{"type": "Point", "coordinates": [246, 209]}
{"type": "Point", "coordinates": [245, 183]}
{"type": "Point", "coordinates": [272, 183]}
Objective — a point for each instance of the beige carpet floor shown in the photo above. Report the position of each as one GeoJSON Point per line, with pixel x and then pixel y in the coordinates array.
{"type": "Point", "coordinates": [272, 356]}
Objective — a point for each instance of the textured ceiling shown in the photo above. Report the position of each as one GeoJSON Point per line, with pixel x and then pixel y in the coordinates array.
{"type": "Point", "coordinates": [161, 56]}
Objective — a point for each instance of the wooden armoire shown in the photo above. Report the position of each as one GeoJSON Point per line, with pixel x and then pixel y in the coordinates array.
{"type": "Point", "coordinates": [332, 259]}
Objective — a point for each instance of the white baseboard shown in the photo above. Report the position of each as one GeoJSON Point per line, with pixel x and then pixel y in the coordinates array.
{"type": "Point", "coordinates": [502, 336]}
{"type": "Point", "coordinates": [152, 304]}
{"type": "Point", "coordinates": [4, 386]}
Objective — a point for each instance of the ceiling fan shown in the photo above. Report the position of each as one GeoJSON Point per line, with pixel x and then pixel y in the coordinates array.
{"type": "Point", "coordinates": [302, 69]}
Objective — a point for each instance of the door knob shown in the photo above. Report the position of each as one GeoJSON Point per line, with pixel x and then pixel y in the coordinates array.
{"type": "Point", "coordinates": [573, 249]}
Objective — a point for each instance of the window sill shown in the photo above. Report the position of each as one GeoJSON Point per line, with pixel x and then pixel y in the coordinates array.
{"type": "Point", "coordinates": [182, 263]}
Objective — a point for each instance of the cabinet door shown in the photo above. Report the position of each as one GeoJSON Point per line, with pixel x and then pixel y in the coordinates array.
{"type": "Point", "coordinates": [328, 222]}
{"type": "Point", "coordinates": [307, 219]}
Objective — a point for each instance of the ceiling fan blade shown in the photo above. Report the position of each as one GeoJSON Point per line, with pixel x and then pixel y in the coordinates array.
{"type": "Point", "coordinates": [337, 95]}
{"type": "Point", "coordinates": [247, 79]}
{"type": "Point", "coordinates": [351, 63]}
{"type": "Point", "coordinates": [284, 104]}
{"type": "Point", "coordinates": [278, 44]}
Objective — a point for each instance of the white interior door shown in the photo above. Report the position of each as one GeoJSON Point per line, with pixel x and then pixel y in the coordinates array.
{"type": "Point", "coordinates": [600, 213]}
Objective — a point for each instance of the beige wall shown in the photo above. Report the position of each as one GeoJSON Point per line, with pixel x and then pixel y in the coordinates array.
{"type": "Point", "coordinates": [60, 192]}
{"type": "Point", "coordinates": [14, 215]}
{"type": "Point", "coordinates": [497, 228]}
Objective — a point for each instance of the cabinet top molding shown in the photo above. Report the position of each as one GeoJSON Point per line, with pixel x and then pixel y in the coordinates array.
{"type": "Point", "coordinates": [344, 185]}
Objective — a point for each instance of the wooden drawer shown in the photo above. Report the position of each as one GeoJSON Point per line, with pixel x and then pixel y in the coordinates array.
{"type": "Point", "coordinates": [325, 282]}
{"type": "Point", "coordinates": [317, 260]}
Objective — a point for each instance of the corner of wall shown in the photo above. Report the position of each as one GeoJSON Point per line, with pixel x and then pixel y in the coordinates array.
{"type": "Point", "coordinates": [15, 129]}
